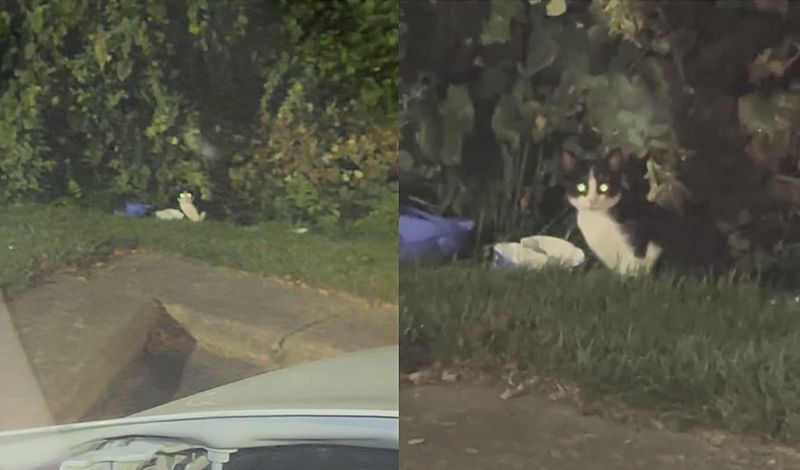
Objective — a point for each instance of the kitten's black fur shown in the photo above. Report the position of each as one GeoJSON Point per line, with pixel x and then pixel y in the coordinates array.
{"type": "Point", "coordinates": [689, 243]}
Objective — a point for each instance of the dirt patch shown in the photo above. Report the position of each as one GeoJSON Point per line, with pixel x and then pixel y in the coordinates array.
{"type": "Point", "coordinates": [467, 425]}
{"type": "Point", "coordinates": [239, 324]}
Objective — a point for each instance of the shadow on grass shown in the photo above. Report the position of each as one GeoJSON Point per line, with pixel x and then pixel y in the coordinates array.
{"type": "Point", "coordinates": [360, 260]}
{"type": "Point", "coordinates": [725, 352]}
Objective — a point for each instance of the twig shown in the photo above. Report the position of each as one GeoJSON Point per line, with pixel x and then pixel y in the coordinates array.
{"type": "Point", "coordinates": [518, 190]}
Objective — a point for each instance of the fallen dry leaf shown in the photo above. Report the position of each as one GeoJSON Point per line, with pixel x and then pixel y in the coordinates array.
{"type": "Point", "coordinates": [449, 376]}
{"type": "Point", "coordinates": [715, 438]}
{"type": "Point", "coordinates": [513, 392]}
{"type": "Point", "coordinates": [559, 392]}
{"type": "Point", "coordinates": [416, 441]}
{"type": "Point", "coordinates": [421, 377]}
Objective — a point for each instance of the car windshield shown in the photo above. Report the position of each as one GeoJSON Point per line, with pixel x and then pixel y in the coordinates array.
{"type": "Point", "coordinates": [191, 193]}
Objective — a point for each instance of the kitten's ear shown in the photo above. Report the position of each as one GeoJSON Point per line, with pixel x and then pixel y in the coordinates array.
{"type": "Point", "coordinates": [616, 159]}
{"type": "Point", "coordinates": [568, 161]}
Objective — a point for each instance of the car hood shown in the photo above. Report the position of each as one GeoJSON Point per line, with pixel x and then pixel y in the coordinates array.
{"type": "Point", "coordinates": [365, 381]}
{"type": "Point", "coordinates": [351, 399]}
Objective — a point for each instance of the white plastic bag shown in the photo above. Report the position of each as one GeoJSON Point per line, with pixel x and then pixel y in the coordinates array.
{"type": "Point", "coordinates": [537, 252]}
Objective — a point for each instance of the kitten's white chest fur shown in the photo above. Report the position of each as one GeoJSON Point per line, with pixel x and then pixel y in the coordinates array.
{"type": "Point", "coordinates": [609, 243]}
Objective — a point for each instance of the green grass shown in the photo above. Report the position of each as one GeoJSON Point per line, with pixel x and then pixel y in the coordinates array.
{"type": "Point", "coordinates": [725, 352]}
{"type": "Point", "coordinates": [361, 259]}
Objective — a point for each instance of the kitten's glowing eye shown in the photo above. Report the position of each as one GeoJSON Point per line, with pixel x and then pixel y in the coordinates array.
{"type": "Point", "coordinates": [581, 187]}
{"type": "Point", "coordinates": [603, 188]}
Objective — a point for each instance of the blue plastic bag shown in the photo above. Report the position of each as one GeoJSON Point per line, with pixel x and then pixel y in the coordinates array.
{"type": "Point", "coordinates": [137, 209]}
{"type": "Point", "coordinates": [426, 237]}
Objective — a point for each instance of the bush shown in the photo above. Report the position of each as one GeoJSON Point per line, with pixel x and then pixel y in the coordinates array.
{"type": "Point", "coordinates": [353, 44]}
{"type": "Point", "coordinates": [89, 107]}
{"type": "Point", "coordinates": [317, 165]}
{"type": "Point", "coordinates": [105, 101]}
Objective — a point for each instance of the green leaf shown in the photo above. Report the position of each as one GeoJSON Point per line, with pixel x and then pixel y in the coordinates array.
{"type": "Point", "coordinates": [36, 19]}
{"type": "Point", "coordinates": [101, 49]}
{"type": "Point", "coordinates": [74, 189]}
{"type": "Point", "coordinates": [30, 51]}
{"type": "Point", "coordinates": [497, 29]}
{"type": "Point", "coordinates": [114, 99]}
{"type": "Point", "coordinates": [556, 7]}
{"type": "Point", "coordinates": [5, 23]}
{"type": "Point", "coordinates": [124, 68]}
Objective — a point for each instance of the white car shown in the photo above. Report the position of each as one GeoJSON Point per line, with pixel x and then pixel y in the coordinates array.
{"type": "Point", "coordinates": [339, 413]}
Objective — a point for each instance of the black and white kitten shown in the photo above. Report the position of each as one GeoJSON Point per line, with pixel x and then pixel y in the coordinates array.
{"type": "Point", "coordinates": [628, 233]}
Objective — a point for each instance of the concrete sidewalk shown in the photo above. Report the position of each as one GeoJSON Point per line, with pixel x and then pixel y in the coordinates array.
{"type": "Point", "coordinates": [23, 404]}
{"type": "Point", "coordinates": [83, 335]}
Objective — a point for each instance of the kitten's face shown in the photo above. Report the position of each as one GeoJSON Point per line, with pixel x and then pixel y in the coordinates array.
{"type": "Point", "coordinates": [185, 196]}
{"type": "Point", "coordinates": [593, 185]}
